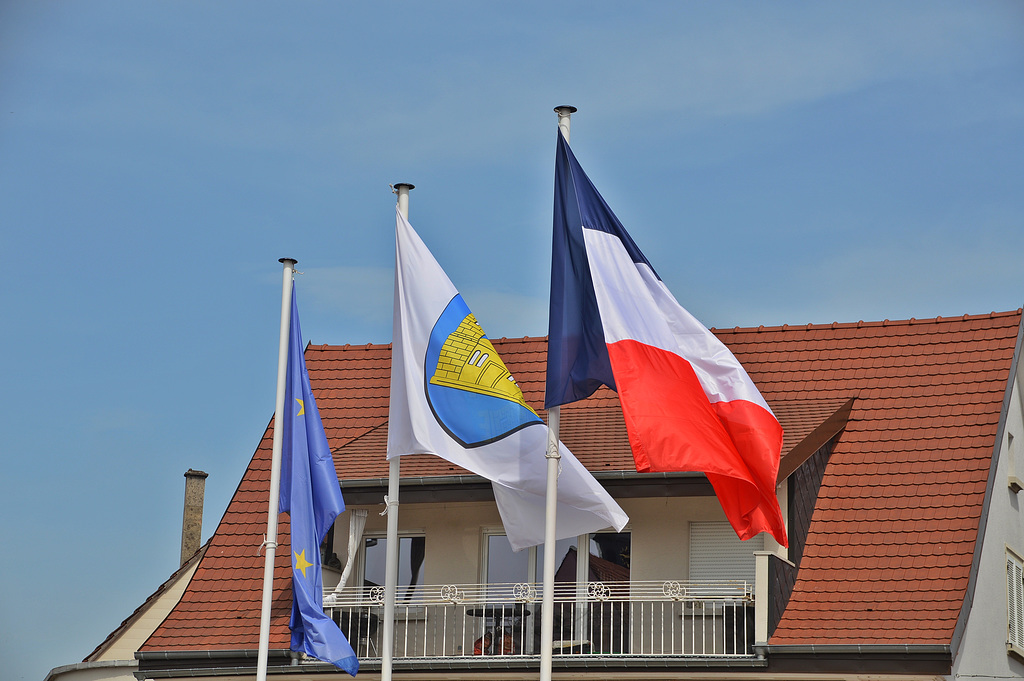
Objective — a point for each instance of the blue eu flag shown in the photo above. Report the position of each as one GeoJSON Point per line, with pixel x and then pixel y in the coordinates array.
{"type": "Point", "coordinates": [310, 494]}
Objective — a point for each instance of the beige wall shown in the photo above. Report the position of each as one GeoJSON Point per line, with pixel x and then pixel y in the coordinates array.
{"type": "Point", "coordinates": [453, 545]}
{"type": "Point", "coordinates": [659, 527]}
{"type": "Point", "coordinates": [982, 651]}
{"type": "Point", "coordinates": [661, 533]}
{"type": "Point", "coordinates": [120, 670]}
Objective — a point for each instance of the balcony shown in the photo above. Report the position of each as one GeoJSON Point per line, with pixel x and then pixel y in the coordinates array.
{"type": "Point", "coordinates": [499, 624]}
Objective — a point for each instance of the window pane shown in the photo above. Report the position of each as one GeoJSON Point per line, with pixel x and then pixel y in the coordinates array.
{"type": "Point", "coordinates": [373, 561]}
{"type": "Point", "coordinates": [565, 561]}
{"type": "Point", "coordinates": [607, 621]}
{"type": "Point", "coordinates": [609, 557]}
{"type": "Point", "coordinates": [507, 566]}
{"type": "Point", "coordinates": [410, 563]}
{"type": "Point", "coordinates": [503, 564]}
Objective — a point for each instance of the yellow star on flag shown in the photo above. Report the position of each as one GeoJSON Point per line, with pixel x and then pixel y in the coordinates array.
{"type": "Point", "coordinates": [301, 563]}
{"type": "Point", "coordinates": [302, 407]}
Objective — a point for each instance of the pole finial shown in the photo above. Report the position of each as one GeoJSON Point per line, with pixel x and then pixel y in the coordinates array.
{"type": "Point", "coordinates": [286, 261]}
{"type": "Point", "coordinates": [564, 117]}
{"type": "Point", "coordinates": [402, 189]}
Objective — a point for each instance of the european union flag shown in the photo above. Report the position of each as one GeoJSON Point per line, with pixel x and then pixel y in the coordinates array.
{"type": "Point", "coordinates": [311, 495]}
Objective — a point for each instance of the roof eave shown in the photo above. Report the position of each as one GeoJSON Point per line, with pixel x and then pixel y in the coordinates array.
{"type": "Point", "coordinates": [163, 664]}
{"type": "Point", "coordinates": [897, 658]}
{"type": "Point", "coordinates": [443, 488]}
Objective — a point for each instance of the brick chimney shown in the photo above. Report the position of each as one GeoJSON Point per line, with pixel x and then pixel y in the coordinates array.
{"type": "Point", "coordinates": [192, 520]}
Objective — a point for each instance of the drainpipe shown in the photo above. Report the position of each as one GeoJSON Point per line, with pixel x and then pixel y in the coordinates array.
{"type": "Point", "coordinates": [192, 517]}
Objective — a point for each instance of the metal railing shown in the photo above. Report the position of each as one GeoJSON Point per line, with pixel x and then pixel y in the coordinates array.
{"type": "Point", "coordinates": [634, 619]}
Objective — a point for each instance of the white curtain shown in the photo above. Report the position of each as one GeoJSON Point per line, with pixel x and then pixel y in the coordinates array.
{"type": "Point", "coordinates": [356, 524]}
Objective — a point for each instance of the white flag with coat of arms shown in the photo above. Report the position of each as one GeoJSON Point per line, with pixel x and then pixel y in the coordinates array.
{"type": "Point", "coordinates": [452, 396]}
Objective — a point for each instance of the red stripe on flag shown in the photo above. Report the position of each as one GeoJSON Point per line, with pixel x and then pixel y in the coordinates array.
{"type": "Point", "coordinates": [673, 427]}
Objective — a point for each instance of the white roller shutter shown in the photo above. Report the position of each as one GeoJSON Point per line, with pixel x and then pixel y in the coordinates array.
{"type": "Point", "coordinates": [716, 553]}
{"type": "Point", "coordinates": [1015, 601]}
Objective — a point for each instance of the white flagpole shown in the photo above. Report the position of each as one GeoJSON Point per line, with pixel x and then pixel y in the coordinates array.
{"type": "Point", "coordinates": [551, 497]}
{"type": "Point", "coordinates": [275, 469]}
{"type": "Point", "coordinates": [391, 509]}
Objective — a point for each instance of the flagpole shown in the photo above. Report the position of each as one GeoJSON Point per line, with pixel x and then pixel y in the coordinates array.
{"type": "Point", "coordinates": [275, 470]}
{"type": "Point", "coordinates": [547, 626]}
{"type": "Point", "coordinates": [391, 509]}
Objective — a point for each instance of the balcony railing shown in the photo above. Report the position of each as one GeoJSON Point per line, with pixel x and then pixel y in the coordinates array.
{"type": "Point", "coordinates": [629, 619]}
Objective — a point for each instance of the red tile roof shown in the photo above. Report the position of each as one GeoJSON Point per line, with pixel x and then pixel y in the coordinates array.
{"type": "Point", "coordinates": [891, 539]}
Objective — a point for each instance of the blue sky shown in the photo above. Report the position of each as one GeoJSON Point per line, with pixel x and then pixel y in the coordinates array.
{"type": "Point", "coordinates": [777, 162]}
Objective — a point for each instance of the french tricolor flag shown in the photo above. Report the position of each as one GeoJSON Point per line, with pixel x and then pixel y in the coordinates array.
{"type": "Point", "coordinates": [687, 402]}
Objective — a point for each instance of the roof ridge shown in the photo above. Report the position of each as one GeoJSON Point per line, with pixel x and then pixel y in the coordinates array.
{"type": "Point", "coordinates": [737, 329]}
{"type": "Point", "coordinates": [863, 324]}
{"type": "Point", "coordinates": [346, 346]}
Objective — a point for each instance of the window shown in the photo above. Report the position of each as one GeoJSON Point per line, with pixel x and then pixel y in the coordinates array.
{"type": "Point", "coordinates": [507, 567]}
{"type": "Point", "coordinates": [1014, 481]}
{"type": "Point", "coordinates": [328, 556]}
{"type": "Point", "coordinates": [411, 552]}
{"type": "Point", "coordinates": [1015, 602]}
{"type": "Point", "coordinates": [608, 560]}
{"type": "Point", "coordinates": [609, 557]}
{"type": "Point", "coordinates": [605, 624]}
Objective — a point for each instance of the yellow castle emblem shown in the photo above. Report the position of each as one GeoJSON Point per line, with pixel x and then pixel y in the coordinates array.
{"type": "Point", "coordinates": [468, 361]}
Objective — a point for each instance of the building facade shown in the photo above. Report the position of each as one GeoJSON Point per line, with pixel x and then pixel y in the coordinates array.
{"type": "Point", "coordinates": [899, 480]}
